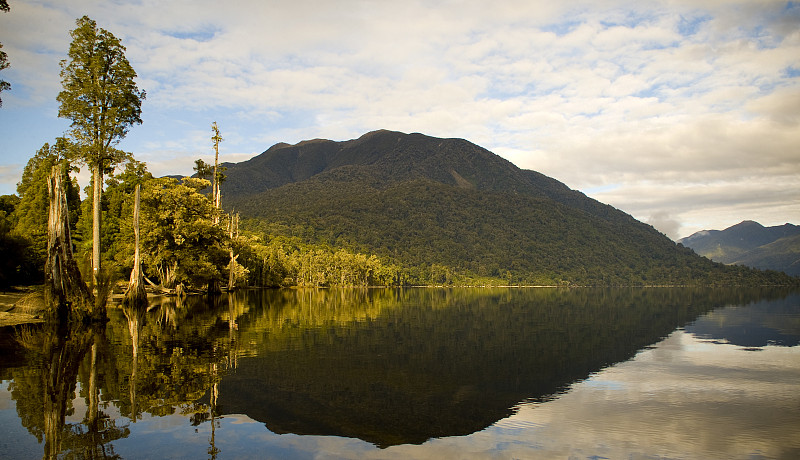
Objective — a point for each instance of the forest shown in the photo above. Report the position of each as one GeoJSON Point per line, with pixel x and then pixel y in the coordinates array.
{"type": "Point", "coordinates": [185, 239]}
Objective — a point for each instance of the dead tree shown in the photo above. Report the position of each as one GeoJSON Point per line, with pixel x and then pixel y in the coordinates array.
{"type": "Point", "coordinates": [64, 288]}
{"type": "Point", "coordinates": [215, 193]}
{"type": "Point", "coordinates": [136, 296]}
{"type": "Point", "coordinates": [233, 233]}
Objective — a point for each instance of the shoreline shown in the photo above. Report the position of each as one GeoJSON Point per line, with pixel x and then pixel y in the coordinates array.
{"type": "Point", "coordinates": [22, 305]}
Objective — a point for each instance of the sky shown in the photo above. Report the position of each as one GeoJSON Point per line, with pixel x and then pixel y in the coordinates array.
{"type": "Point", "coordinates": [684, 114]}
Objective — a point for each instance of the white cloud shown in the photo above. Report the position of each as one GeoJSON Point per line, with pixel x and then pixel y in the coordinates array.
{"type": "Point", "coordinates": [9, 176]}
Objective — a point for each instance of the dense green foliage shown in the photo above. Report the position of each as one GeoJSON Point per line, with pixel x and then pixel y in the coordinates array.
{"type": "Point", "coordinates": [23, 217]}
{"type": "Point", "coordinates": [357, 225]}
{"type": "Point", "coordinates": [449, 212]}
{"type": "Point", "coordinates": [180, 241]}
{"type": "Point", "coordinates": [182, 244]}
{"type": "Point", "coordinates": [99, 93]}
{"type": "Point", "coordinates": [287, 261]}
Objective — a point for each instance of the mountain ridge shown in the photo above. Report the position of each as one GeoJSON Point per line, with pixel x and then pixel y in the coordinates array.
{"type": "Point", "coordinates": [452, 210]}
{"type": "Point", "coordinates": [382, 153]}
{"type": "Point", "coordinates": [752, 244]}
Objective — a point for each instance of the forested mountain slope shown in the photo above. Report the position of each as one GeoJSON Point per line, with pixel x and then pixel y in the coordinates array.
{"type": "Point", "coordinates": [453, 212]}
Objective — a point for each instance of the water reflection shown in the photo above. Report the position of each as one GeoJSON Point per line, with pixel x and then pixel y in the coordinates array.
{"type": "Point", "coordinates": [434, 363]}
{"type": "Point", "coordinates": [684, 398]}
{"type": "Point", "coordinates": [756, 325]}
{"type": "Point", "coordinates": [44, 391]}
{"type": "Point", "coordinates": [387, 366]}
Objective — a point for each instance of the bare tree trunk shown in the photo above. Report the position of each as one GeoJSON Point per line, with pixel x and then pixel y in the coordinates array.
{"type": "Point", "coordinates": [233, 233]}
{"type": "Point", "coordinates": [97, 189]}
{"type": "Point", "coordinates": [64, 287]}
{"type": "Point", "coordinates": [136, 295]}
{"type": "Point", "coordinates": [180, 290]}
{"type": "Point", "coordinates": [215, 193]}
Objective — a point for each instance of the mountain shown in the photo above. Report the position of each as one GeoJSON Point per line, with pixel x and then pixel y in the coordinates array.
{"type": "Point", "coordinates": [448, 210]}
{"type": "Point", "coordinates": [750, 243]}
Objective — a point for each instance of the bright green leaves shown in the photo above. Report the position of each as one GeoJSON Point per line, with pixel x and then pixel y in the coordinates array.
{"type": "Point", "coordinates": [99, 93]}
{"type": "Point", "coordinates": [180, 241]}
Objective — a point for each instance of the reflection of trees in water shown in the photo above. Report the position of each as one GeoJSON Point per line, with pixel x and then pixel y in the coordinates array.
{"type": "Point", "coordinates": [135, 316]}
{"type": "Point", "coordinates": [175, 343]}
{"type": "Point", "coordinates": [160, 360]}
{"type": "Point", "coordinates": [170, 358]}
{"type": "Point", "coordinates": [44, 392]}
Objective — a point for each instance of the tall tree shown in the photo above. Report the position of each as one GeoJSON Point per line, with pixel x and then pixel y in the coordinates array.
{"type": "Point", "coordinates": [101, 98]}
{"type": "Point", "coordinates": [4, 85]}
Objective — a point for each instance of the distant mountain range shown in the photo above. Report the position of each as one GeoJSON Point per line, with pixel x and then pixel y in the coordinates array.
{"type": "Point", "coordinates": [450, 211]}
{"type": "Point", "coordinates": [750, 243]}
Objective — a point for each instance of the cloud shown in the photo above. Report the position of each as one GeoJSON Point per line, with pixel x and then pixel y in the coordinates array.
{"type": "Point", "coordinates": [662, 221]}
{"type": "Point", "coordinates": [9, 176]}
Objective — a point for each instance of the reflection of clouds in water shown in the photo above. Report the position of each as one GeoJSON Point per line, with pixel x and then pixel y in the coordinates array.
{"type": "Point", "coordinates": [6, 402]}
{"type": "Point", "coordinates": [683, 398]}
{"type": "Point", "coordinates": [763, 323]}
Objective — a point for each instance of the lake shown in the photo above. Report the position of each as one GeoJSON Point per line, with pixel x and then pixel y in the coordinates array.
{"type": "Point", "coordinates": [414, 373]}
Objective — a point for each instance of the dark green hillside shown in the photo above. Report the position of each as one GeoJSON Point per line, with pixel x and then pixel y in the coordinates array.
{"type": "Point", "coordinates": [452, 212]}
{"type": "Point", "coordinates": [782, 254]}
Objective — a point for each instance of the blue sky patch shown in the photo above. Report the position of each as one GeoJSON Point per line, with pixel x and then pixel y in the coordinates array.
{"type": "Point", "coordinates": [689, 26]}
{"type": "Point", "coordinates": [562, 28]}
{"type": "Point", "coordinates": [791, 72]}
{"type": "Point", "coordinates": [201, 35]}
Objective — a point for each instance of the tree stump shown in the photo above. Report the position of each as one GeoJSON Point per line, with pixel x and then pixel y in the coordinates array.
{"type": "Point", "coordinates": [64, 289]}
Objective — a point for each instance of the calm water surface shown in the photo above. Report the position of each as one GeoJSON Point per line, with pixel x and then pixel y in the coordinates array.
{"type": "Point", "coordinates": [414, 373]}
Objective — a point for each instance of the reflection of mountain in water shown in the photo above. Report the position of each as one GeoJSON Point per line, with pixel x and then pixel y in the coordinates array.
{"type": "Point", "coordinates": [424, 363]}
{"type": "Point", "coordinates": [758, 325]}
{"type": "Point", "coordinates": [388, 366]}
